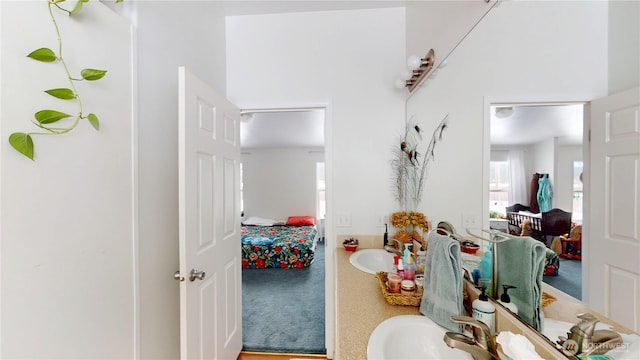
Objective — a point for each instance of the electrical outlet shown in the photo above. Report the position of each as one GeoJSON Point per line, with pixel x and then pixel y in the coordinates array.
{"type": "Point", "coordinates": [344, 220]}
{"type": "Point", "coordinates": [471, 221]}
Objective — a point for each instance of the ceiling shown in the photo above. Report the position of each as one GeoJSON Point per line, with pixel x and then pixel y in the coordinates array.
{"type": "Point", "coordinates": [529, 124]}
{"type": "Point", "coordinates": [522, 125]}
{"type": "Point", "coordinates": [282, 129]}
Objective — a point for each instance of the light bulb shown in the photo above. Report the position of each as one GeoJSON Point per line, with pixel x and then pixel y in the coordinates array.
{"type": "Point", "coordinates": [400, 83]}
{"type": "Point", "coordinates": [406, 75]}
{"type": "Point", "coordinates": [414, 62]}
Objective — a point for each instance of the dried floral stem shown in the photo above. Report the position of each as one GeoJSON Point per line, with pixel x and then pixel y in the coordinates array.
{"type": "Point", "coordinates": [411, 164]}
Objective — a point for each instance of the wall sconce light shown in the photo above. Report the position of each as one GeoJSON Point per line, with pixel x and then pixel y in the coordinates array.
{"type": "Point", "coordinates": [419, 68]}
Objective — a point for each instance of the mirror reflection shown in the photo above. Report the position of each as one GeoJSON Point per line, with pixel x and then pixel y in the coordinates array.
{"type": "Point", "coordinates": [506, 79]}
{"type": "Point", "coordinates": [533, 145]}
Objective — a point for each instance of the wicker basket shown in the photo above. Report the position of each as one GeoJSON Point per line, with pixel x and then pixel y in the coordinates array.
{"type": "Point", "coordinates": [398, 299]}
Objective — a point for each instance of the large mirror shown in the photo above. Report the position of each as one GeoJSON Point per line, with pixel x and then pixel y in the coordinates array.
{"type": "Point", "coordinates": [534, 60]}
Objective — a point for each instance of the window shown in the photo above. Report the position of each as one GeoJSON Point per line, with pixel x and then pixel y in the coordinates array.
{"type": "Point", "coordinates": [321, 203]}
{"type": "Point", "coordinates": [498, 186]}
{"type": "Point", "coordinates": [578, 195]}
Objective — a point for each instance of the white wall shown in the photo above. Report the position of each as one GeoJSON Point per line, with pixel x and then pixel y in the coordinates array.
{"type": "Point", "coordinates": [67, 258]}
{"type": "Point", "coordinates": [441, 25]}
{"type": "Point", "coordinates": [543, 156]}
{"type": "Point", "coordinates": [169, 34]}
{"type": "Point", "coordinates": [624, 45]}
{"type": "Point", "coordinates": [347, 59]}
{"type": "Point", "coordinates": [278, 183]}
{"type": "Point", "coordinates": [521, 50]}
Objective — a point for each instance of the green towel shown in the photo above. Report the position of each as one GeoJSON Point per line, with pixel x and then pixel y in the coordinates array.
{"type": "Point", "coordinates": [521, 264]}
{"type": "Point", "coordinates": [442, 295]}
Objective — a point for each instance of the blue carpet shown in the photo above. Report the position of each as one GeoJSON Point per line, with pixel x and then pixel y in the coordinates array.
{"type": "Point", "coordinates": [569, 279]}
{"type": "Point", "coordinates": [283, 309]}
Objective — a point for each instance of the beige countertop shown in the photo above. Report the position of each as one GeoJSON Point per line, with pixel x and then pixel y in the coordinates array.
{"type": "Point", "coordinates": [360, 308]}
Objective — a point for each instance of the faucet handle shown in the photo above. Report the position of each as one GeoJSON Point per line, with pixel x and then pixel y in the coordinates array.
{"type": "Point", "coordinates": [587, 323]}
{"type": "Point", "coordinates": [459, 319]}
{"type": "Point", "coordinates": [481, 332]}
{"type": "Point", "coordinates": [587, 317]}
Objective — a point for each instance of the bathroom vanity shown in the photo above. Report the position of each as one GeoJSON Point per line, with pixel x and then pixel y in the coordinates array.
{"type": "Point", "coordinates": [360, 308]}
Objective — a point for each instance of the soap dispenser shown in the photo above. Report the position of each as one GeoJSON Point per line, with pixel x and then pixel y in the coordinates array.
{"type": "Point", "coordinates": [483, 310]}
{"type": "Point", "coordinates": [409, 264]}
{"type": "Point", "coordinates": [486, 271]}
{"type": "Point", "coordinates": [505, 299]}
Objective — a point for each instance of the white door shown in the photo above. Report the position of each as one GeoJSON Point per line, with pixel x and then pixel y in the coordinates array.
{"type": "Point", "coordinates": [613, 243]}
{"type": "Point", "coordinates": [209, 158]}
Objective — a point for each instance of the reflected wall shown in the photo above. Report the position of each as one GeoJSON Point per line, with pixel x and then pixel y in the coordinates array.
{"type": "Point", "coordinates": [519, 52]}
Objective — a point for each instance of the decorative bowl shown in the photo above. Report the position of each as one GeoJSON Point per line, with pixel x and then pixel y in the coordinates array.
{"type": "Point", "coordinates": [469, 247]}
{"type": "Point", "coordinates": [350, 247]}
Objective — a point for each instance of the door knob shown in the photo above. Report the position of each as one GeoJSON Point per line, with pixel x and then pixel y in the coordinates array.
{"type": "Point", "coordinates": [196, 274]}
{"type": "Point", "coordinates": [177, 276]}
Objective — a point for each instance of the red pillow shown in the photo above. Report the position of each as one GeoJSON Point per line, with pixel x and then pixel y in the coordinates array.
{"type": "Point", "coordinates": [301, 220]}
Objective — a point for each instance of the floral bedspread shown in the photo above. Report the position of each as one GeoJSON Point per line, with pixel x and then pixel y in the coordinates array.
{"type": "Point", "coordinates": [292, 246]}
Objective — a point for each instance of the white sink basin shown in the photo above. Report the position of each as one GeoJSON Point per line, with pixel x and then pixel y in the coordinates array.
{"type": "Point", "coordinates": [372, 260]}
{"type": "Point", "coordinates": [410, 337]}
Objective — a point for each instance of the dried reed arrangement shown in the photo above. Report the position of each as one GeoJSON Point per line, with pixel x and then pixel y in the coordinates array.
{"type": "Point", "coordinates": [410, 163]}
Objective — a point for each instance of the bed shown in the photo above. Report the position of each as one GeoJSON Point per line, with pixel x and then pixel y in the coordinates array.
{"type": "Point", "coordinates": [285, 246]}
{"type": "Point", "coordinates": [554, 222]}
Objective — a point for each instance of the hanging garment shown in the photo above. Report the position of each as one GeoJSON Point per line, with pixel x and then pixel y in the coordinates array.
{"type": "Point", "coordinates": [533, 194]}
{"type": "Point", "coordinates": [545, 194]}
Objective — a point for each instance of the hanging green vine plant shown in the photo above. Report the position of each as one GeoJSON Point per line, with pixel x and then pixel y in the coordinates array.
{"type": "Point", "coordinates": [44, 119]}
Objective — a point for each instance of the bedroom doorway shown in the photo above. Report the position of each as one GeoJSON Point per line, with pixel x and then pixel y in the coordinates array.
{"type": "Point", "coordinates": [530, 138]}
{"type": "Point", "coordinates": [281, 150]}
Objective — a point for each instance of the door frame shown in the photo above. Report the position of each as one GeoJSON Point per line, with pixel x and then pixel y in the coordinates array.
{"type": "Point", "coordinates": [330, 242]}
{"type": "Point", "coordinates": [542, 99]}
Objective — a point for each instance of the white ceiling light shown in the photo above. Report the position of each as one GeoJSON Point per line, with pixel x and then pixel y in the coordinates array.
{"type": "Point", "coordinates": [418, 69]}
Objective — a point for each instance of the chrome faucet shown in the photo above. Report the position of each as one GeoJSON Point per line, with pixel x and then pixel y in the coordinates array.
{"type": "Point", "coordinates": [583, 339]}
{"type": "Point", "coordinates": [392, 248]}
{"type": "Point", "coordinates": [481, 347]}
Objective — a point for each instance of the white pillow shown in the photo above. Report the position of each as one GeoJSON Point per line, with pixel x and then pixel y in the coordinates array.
{"type": "Point", "coordinates": [255, 220]}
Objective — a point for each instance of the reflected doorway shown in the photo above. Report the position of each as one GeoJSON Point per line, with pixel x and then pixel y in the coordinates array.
{"type": "Point", "coordinates": [529, 139]}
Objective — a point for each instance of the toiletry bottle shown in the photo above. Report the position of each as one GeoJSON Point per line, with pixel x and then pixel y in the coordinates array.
{"type": "Point", "coordinates": [406, 253]}
{"type": "Point", "coordinates": [409, 269]}
{"type": "Point", "coordinates": [400, 268]}
{"type": "Point", "coordinates": [421, 260]}
{"type": "Point", "coordinates": [483, 310]}
{"type": "Point", "coordinates": [394, 268]}
{"type": "Point", "coordinates": [485, 272]}
{"type": "Point", "coordinates": [505, 299]}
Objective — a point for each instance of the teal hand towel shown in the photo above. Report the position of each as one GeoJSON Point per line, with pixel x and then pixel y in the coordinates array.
{"type": "Point", "coordinates": [521, 264]}
{"type": "Point", "coordinates": [442, 295]}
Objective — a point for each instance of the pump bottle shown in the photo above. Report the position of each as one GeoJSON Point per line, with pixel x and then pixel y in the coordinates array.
{"type": "Point", "coordinates": [483, 310]}
{"type": "Point", "coordinates": [505, 299]}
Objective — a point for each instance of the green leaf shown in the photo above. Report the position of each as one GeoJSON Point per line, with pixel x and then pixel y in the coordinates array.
{"type": "Point", "coordinates": [62, 93]}
{"type": "Point", "coordinates": [78, 7]}
{"type": "Point", "coordinates": [92, 74]}
{"type": "Point", "coordinates": [50, 116]}
{"type": "Point", "coordinates": [93, 120]}
{"type": "Point", "coordinates": [22, 143]}
{"type": "Point", "coordinates": [43, 54]}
